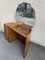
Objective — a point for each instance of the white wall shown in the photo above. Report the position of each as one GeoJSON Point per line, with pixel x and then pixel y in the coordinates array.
{"type": "Point", "coordinates": [38, 33]}
{"type": "Point", "coordinates": [7, 14]}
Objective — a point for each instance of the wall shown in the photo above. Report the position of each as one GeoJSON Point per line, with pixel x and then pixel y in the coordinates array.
{"type": "Point", "coordinates": [38, 33]}
{"type": "Point", "coordinates": [7, 14]}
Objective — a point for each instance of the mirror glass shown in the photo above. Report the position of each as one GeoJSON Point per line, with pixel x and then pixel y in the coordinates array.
{"type": "Point", "coordinates": [25, 14]}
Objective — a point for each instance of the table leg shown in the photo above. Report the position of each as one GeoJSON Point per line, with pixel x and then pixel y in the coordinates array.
{"type": "Point", "coordinates": [27, 42]}
{"type": "Point", "coordinates": [26, 49]}
{"type": "Point", "coordinates": [9, 34]}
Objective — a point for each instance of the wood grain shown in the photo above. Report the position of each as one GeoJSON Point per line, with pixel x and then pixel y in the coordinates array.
{"type": "Point", "coordinates": [20, 32]}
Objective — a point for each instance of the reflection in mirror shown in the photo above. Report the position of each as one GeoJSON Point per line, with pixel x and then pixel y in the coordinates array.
{"type": "Point", "coordinates": [25, 14]}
